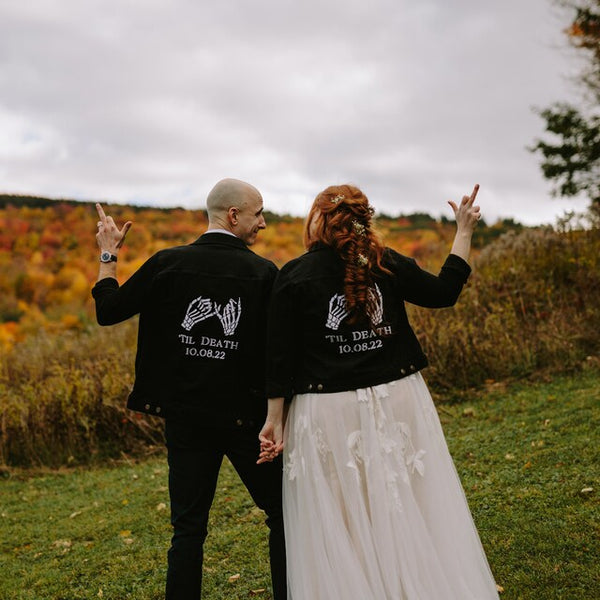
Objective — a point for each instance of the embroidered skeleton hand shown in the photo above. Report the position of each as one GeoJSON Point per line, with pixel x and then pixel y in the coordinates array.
{"type": "Point", "coordinates": [230, 316]}
{"type": "Point", "coordinates": [198, 310]}
{"type": "Point", "coordinates": [337, 311]}
{"type": "Point", "coordinates": [376, 311]}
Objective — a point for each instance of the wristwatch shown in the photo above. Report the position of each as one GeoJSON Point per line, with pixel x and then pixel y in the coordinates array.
{"type": "Point", "coordinates": [106, 257]}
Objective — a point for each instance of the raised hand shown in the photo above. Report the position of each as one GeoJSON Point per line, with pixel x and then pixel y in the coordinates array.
{"type": "Point", "coordinates": [198, 310]}
{"type": "Point", "coordinates": [337, 311]}
{"type": "Point", "coordinates": [230, 316]}
{"type": "Point", "coordinates": [109, 236]}
{"type": "Point", "coordinates": [466, 214]}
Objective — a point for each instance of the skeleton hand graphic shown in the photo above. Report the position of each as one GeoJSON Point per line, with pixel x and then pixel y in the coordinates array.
{"type": "Point", "coordinates": [230, 316]}
{"type": "Point", "coordinates": [337, 311]}
{"type": "Point", "coordinates": [198, 310]}
{"type": "Point", "coordinates": [376, 308]}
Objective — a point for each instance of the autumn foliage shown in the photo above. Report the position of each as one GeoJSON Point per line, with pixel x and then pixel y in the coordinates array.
{"type": "Point", "coordinates": [532, 303]}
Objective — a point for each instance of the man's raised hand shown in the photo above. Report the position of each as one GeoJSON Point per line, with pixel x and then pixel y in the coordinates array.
{"type": "Point", "coordinates": [109, 236]}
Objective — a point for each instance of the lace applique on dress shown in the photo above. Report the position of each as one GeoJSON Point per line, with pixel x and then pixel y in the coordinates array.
{"type": "Point", "coordinates": [321, 445]}
{"type": "Point", "coordinates": [294, 465]}
{"type": "Point", "coordinates": [357, 455]}
{"type": "Point", "coordinates": [413, 459]}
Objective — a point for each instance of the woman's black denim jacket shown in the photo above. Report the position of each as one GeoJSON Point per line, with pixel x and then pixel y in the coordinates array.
{"type": "Point", "coordinates": [311, 346]}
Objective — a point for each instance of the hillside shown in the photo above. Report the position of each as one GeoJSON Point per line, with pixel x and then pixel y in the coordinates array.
{"type": "Point", "coordinates": [48, 254]}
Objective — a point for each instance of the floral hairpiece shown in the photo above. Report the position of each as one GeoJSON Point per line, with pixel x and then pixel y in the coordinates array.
{"type": "Point", "coordinates": [337, 198]}
{"type": "Point", "coordinates": [359, 227]}
{"type": "Point", "coordinates": [362, 260]}
{"type": "Point", "coordinates": [371, 210]}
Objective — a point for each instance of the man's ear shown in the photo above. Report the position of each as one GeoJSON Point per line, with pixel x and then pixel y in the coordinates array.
{"type": "Point", "coordinates": [232, 215]}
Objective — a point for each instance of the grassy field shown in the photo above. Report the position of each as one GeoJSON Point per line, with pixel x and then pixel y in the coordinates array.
{"type": "Point", "coordinates": [528, 456]}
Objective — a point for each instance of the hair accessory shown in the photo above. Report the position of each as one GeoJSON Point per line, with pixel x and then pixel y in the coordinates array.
{"type": "Point", "coordinates": [362, 260]}
{"type": "Point", "coordinates": [337, 198]}
{"type": "Point", "coordinates": [359, 227]}
{"type": "Point", "coordinates": [371, 210]}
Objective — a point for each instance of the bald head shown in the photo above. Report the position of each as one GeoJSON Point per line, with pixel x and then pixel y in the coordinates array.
{"type": "Point", "coordinates": [236, 206]}
{"type": "Point", "coordinates": [229, 193]}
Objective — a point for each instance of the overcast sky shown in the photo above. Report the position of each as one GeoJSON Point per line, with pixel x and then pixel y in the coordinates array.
{"type": "Point", "coordinates": [153, 101]}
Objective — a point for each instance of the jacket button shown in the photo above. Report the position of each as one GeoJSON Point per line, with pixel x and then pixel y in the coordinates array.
{"type": "Point", "coordinates": [157, 409]}
{"type": "Point", "coordinates": [147, 407]}
{"type": "Point", "coordinates": [309, 387]}
{"type": "Point", "coordinates": [320, 387]}
{"type": "Point", "coordinates": [403, 371]}
{"type": "Point", "coordinates": [412, 367]}
{"type": "Point", "coordinates": [239, 422]}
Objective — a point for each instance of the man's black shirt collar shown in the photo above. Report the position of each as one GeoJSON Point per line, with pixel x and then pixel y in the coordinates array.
{"type": "Point", "coordinates": [220, 238]}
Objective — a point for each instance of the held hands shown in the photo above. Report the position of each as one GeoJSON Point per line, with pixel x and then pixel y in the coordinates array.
{"type": "Point", "coordinates": [109, 236]}
{"type": "Point", "coordinates": [466, 214]}
{"type": "Point", "coordinates": [271, 441]}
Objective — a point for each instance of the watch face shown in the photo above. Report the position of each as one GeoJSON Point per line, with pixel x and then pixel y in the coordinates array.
{"type": "Point", "coordinates": [105, 257]}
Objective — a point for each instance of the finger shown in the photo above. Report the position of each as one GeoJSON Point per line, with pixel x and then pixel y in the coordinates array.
{"type": "Point", "coordinates": [100, 211]}
{"type": "Point", "coordinates": [474, 193]}
{"type": "Point", "coordinates": [453, 205]}
{"type": "Point", "coordinates": [124, 231]}
{"type": "Point", "coordinates": [110, 221]}
{"type": "Point", "coordinates": [264, 457]}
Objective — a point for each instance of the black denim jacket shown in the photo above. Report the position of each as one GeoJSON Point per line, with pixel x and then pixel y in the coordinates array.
{"type": "Point", "coordinates": [311, 347]}
{"type": "Point", "coordinates": [201, 337]}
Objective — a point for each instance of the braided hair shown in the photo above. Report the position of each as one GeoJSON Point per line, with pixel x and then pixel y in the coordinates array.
{"type": "Point", "coordinates": [342, 218]}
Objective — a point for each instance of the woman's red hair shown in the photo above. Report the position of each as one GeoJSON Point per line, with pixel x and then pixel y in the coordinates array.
{"type": "Point", "coordinates": [342, 218]}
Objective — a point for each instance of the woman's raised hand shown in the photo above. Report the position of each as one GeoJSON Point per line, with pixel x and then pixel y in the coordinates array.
{"type": "Point", "coordinates": [466, 213]}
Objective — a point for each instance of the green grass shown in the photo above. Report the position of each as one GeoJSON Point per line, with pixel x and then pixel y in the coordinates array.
{"type": "Point", "coordinates": [524, 452]}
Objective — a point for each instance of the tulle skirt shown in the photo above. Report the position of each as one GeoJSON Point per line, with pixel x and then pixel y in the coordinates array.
{"type": "Point", "coordinates": [373, 506]}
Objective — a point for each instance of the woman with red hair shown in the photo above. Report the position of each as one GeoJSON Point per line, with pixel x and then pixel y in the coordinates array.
{"type": "Point", "coordinates": [373, 507]}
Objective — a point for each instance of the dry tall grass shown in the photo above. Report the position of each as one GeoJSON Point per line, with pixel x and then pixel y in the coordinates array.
{"type": "Point", "coordinates": [532, 303]}
{"type": "Point", "coordinates": [62, 398]}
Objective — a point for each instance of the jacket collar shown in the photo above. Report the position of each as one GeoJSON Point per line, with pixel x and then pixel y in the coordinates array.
{"type": "Point", "coordinates": [319, 246]}
{"type": "Point", "coordinates": [220, 239]}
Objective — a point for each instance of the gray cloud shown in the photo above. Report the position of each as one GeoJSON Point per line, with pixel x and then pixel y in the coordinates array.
{"type": "Point", "coordinates": [153, 101]}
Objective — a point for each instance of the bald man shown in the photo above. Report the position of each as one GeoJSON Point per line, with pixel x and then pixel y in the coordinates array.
{"type": "Point", "coordinates": [200, 365]}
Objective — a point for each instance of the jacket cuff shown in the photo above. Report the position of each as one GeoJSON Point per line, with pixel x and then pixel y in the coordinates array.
{"type": "Point", "coordinates": [108, 283]}
{"type": "Point", "coordinates": [459, 266]}
{"type": "Point", "coordinates": [276, 390]}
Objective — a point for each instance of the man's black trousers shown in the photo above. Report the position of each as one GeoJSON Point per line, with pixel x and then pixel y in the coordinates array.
{"type": "Point", "coordinates": [195, 453]}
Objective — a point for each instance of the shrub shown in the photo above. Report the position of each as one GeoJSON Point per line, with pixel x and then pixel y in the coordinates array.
{"type": "Point", "coordinates": [62, 398]}
{"type": "Point", "coordinates": [533, 302]}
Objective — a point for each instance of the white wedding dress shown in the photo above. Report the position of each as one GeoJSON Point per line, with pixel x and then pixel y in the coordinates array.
{"type": "Point", "coordinates": [373, 506]}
